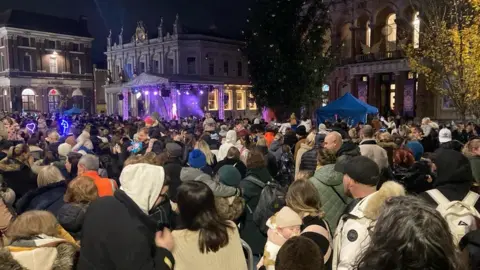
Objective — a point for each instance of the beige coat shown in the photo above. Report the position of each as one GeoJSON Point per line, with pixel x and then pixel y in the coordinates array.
{"type": "Point", "coordinates": [298, 160]}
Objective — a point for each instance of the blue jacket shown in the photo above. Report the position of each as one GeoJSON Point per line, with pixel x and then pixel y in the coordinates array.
{"type": "Point", "coordinates": [49, 198]}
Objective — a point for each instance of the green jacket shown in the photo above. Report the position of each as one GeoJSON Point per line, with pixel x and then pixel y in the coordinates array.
{"type": "Point", "coordinates": [475, 164]}
{"type": "Point", "coordinates": [329, 185]}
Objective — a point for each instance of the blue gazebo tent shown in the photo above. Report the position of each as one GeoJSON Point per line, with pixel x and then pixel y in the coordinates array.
{"type": "Point", "coordinates": [72, 111]}
{"type": "Point", "coordinates": [348, 108]}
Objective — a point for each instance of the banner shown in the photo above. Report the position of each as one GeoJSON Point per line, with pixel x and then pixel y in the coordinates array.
{"type": "Point", "coordinates": [409, 98]}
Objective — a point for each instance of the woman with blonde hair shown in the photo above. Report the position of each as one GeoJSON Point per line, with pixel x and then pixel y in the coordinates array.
{"type": "Point", "coordinates": [38, 242]}
{"type": "Point", "coordinates": [211, 158]}
{"type": "Point", "coordinates": [304, 147]}
{"type": "Point", "coordinates": [49, 194]}
{"type": "Point", "coordinates": [303, 198]}
{"type": "Point", "coordinates": [472, 151]}
{"type": "Point", "coordinates": [80, 193]}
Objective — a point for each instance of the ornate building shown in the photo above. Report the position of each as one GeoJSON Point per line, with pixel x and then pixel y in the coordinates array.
{"type": "Point", "coordinates": [45, 62]}
{"type": "Point", "coordinates": [185, 72]}
{"type": "Point", "coordinates": [369, 35]}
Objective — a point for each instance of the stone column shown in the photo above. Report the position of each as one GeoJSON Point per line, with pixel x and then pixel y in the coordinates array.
{"type": "Point", "coordinates": [234, 100]}
{"type": "Point", "coordinates": [400, 78]}
{"type": "Point", "coordinates": [221, 107]}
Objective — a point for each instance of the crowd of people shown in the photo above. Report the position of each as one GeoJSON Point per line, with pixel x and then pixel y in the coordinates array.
{"type": "Point", "coordinates": [107, 193]}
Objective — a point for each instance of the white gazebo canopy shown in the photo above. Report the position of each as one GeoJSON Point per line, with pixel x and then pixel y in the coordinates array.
{"type": "Point", "coordinates": [146, 79]}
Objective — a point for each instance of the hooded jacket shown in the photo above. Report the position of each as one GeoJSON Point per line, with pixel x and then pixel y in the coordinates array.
{"type": "Point", "coordinates": [303, 149]}
{"type": "Point", "coordinates": [276, 149]}
{"type": "Point", "coordinates": [219, 189]}
{"type": "Point", "coordinates": [18, 176]}
{"type": "Point", "coordinates": [49, 198]}
{"type": "Point", "coordinates": [230, 141]}
{"type": "Point", "coordinates": [352, 233]}
{"type": "Point", "coordinates": [329, 185]}
{"type": "Point", "coordinates": [117, 232]}
{"type": "Point", "coordinates": [454, 176]}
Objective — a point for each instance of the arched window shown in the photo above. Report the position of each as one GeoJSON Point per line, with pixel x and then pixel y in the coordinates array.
{"type": "Point", "coordinates": [368, 34]}
{"type": "Point", "coordinates": [28, 100]}
{"type": "Point", "coordinates": [53, 100]}
{"type": "Point", "coordinates": [78, 99]}
{"type": "Point", "coordinates": [347, 41]}
{"type": "Point", "coordinates": [391, 32]}
{"type": "Point", "coordinates": [416, 30]}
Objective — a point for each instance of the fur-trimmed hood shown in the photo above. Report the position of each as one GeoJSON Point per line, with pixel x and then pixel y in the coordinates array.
{"type": "Point", "coordinates": [371, 206]}
{"type": "Point", "coordinates": [53, 253]}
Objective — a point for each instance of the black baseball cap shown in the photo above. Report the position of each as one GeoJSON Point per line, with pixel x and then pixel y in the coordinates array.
{"type": "Point", "coordinates": [361, 169]}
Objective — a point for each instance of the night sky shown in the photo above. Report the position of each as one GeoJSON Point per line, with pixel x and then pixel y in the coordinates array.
{"type": "Point", "coordinates": [227, 15]}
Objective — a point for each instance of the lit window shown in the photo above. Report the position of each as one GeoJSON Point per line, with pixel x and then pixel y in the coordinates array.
{"type": "Point", "coordinates": [53, 64]}
{"type": "Point", "coordinates": [53, 100]}
{"type": "Point", "coordinates": [241, 96]}
{"type": "Point", "coordinates": [347, 41]}
{"type": "Point", "coordinates": [191, 65]}
{"type": "Point", "coordinates": [416, 30]}
{"type": "Point", "coordinates": [28, 100]}
{"type": "Point", "coordinates": [213, 100]}
{"type": "Point", "coordinates": [228, 100]}
{"type": "Point", "coordinates": [391, 32]}
{"type": "Point", "coordinates": [368, 34]}
{"type": "Point", "coordinates": [251, 102]}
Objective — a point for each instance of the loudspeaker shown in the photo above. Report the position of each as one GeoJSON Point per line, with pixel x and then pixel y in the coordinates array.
{"type": "Point", "coordinates": [120, 97]}
{"type": "Point", "coordinates": [165, 93]}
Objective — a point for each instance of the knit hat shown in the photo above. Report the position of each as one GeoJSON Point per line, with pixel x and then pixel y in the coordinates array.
{"type": "Point", "coordinates": [286, 217]}
{"type": "Point", "coordinates": [64, 149]}
{"type": "Point", "coordinates": [197, 159]}
{"type": "Point", "coordinates": [299, 253]}
{"type": "Point", "coordinates": [149, 120]}
{"type": "Point", "coordinates": [229, 176]}
{"type": "Point", "coordinates": [301, 131]}
{"type": "Point", "coordinates": [174, 150]}
{"type": "Point", "coordinates": [362, 169]}
{"type": "Point", "coordinates": [416, 148]}
{"type": "Point", "coordinates": [322, 129]}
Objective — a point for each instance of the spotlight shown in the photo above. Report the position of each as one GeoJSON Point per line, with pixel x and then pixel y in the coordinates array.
{"type": "Point", "coordinates": [146, 92]}
{"type": "Point", "coordinates": [201, 92]}
{"type": "Point", "coordinates": [179, 93]}
{"type": "Point", "coordinates": [139, 95]}
{"type": "Point", "coordinates": [187, 93]}
{"type": "Point", "coordinates": [155, 93]}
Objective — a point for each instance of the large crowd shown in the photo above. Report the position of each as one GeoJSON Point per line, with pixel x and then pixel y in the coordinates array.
{"type": "Point", "coordinates": [100, 192]}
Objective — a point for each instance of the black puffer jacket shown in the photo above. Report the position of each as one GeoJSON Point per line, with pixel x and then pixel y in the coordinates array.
{"type": "Point", "coordinates": [309, 160]}
{"type": "Point", "coordinates": [454, 145]}
{"type": "Point", "coordinates": [71, 217]}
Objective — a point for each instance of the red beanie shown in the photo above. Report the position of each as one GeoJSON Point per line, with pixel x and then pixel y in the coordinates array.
{"type": "Point", "coordinates": [149, 120]}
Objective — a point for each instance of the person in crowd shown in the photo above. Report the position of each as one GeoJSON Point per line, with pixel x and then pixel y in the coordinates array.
{"type": "Point", "coordinates": [360, 179]}
{"type": "Point", "coordinates": [80, 193]}
{"type": "Point", "coordinates": [333, 141]}
{"type": "Point", "coordinates": [230, 208]}
{"type": "Point", "coordinates": [35, 151]}
{"type": "Point", "coordinates": [4, 148]}
{"type": "Point", "coordinates": [244, 146]}
{"type": "Point", "coordinates": [454, 176]}
{"type": "Point", "coordinates": [446, 141]}
{"type": "Point", "coordinates": [369, 148]}
{"type": "Point", "coordinates": [308, 145]}
{"type": "Point", "coordinates": [16, 170]}
{"type": "Point", "coordinates": [303, 198]}
{"type": "Point", "coordinates": [269, 157]}
{"type": "Point", "coordinates": [385, 140]}
{"type": "Point", "coordinates": [270, 134]}
{"type": "Point", "coordinates": [286, 165]}
{"type": "Point", "coordinates": [117, 232]}
{"type": "Point", "coordinates": [416, 176]}
{"type": "Point", "coordinates": [88, 165]}
{"type": "Point", "coordinates": [276, 146]}
{"type": "Point", "coordinates": [230, 141]}
{"type": "Point", "coordinates": [7, 213]}
{"type": "Point", "coordinates": [232, 158]}
{"type": "Point", "coordinates": [84, 143]}
{"type": "Point", "coordinates": [36, 241]}
{"type": "Point", "coordinates": [49, 194]}
{"type": "Point", "coordinates": [299, 252]}
{"type": "Point", "coordinates": [416, 231]}
{"type": "Point", "coordinates": [472, 151]}
{"type": "Point", "coordinates": [390, 122]}
{"type": "Point", "coordinates": [12, 128]}
{"type": "Point", "coordinates": [282, 226]}
{"type": "Point", "coordinates": [416, 148]}
{"type": "Point", "coordinates": [197, 160]}
{"type": "Point", "coordinates": [354, 136]}
{"type": "Point", "coordinates": [302, 137]}
{"type": "Point", "coordinates": [71, 165]}
{"type": "Point", "coordinates": [210, 157]}
{"type": "Point", "coordinates": [205, 240]}
{"type": "Point", "coordinates": [329, 185]}
{"type": "Point", "coordinates": [190, 143]}
{"type": "Point", "coordinates": [249, 230]}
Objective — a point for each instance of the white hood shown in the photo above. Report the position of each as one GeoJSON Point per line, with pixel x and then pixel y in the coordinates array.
{"type": "Point", "coordinates": [231, 137]}
{"type": "Point", "coordinates": [143, 184]}
{"type": "Point", "coordinates": [230, 141]}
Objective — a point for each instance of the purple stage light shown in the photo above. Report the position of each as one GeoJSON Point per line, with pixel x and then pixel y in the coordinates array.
{"type": "Point", "coordinates": [147, 92]}
{"type": "Point", "coordinates": [201, 92]}
{"type": "Point", "coordinates": [188, 93]}
{"type": "Point", "coordinates": [155, 93]}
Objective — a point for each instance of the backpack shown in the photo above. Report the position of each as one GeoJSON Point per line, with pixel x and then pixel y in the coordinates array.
{"type": "Point", "coordinates": [461, 216]}
{"type": "Point", "coordinates": [272, 199]}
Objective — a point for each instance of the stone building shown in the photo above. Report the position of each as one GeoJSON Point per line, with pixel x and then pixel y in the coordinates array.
{"type": "Point", "coordinates": [178, 73]}
{"type": "Point", "coordinates": [45, 63]}
{"type": "Point", "coordinates": [369, 35]}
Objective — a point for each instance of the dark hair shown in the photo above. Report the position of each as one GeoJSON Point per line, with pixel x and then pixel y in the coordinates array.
{"type": "Point", "coordinates": [410, 234]}
{"type": "Point", "coordinates": [73, 159]}
{"type": "Point", "coordinates": [300, 252]}
{"type": "Point", "coordinates": [198, 213]}
{"type": "Point", "coordinates": [255, 159]}
{"type": "Point", "coordinates": [233, 153]}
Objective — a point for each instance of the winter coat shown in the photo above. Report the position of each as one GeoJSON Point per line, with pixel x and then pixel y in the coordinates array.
{"type": "Point", "coordinates": [352, 235]}
{"type": "Point", "coordinates": [39, 253]}
{"type": "Point", "coordinates": [271, 160]}
{"type": "Point", "coordinates": [390, 148]}
{"type": "Point", "coordinates": [370, 149]}
{"type": "Point", "coordinates": [230, 208]}
{"type": "Point", "coordinates": [475, 164]}
{"type": "Point", "coordinates": [117, 234]}
{"type": "Point", "coordinates": [346, 152]}
{"type": "Point", "coordinates": [230, 141]}
{"type": "Point", "coordinates": [249, 231]}
{"type": "Point", "coordinates": [239, 165]}
{"type": "Point", "coordinates": [298, 160]}
{"type": "Point", "coordinates": [298, 145]}
{"type": "Point", "coordinates": [308, 161]}
{"type": "Point", "coordinates": [329, 184]}
{"type": "Point", "coordinates": [276, 149]}
{"type": "Point", "coordinates": [49, 198]}
{"type": "Point", "coordinates": [18, 176]}
{"type": "Point", "coordinates": [416, 179]}
{"type": "Point", "coordinates": [219, 189]}
{"type": "Point", "coordinates": [454, 145]}
{"type": "Point", "coordinates": [7, 215]}
{"type": "Point", "coordinates": [454, 176]}
{"type": "Point", "coordinates": [286, 167]}
{"type": "Point", "coordinates": [71, 217]}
